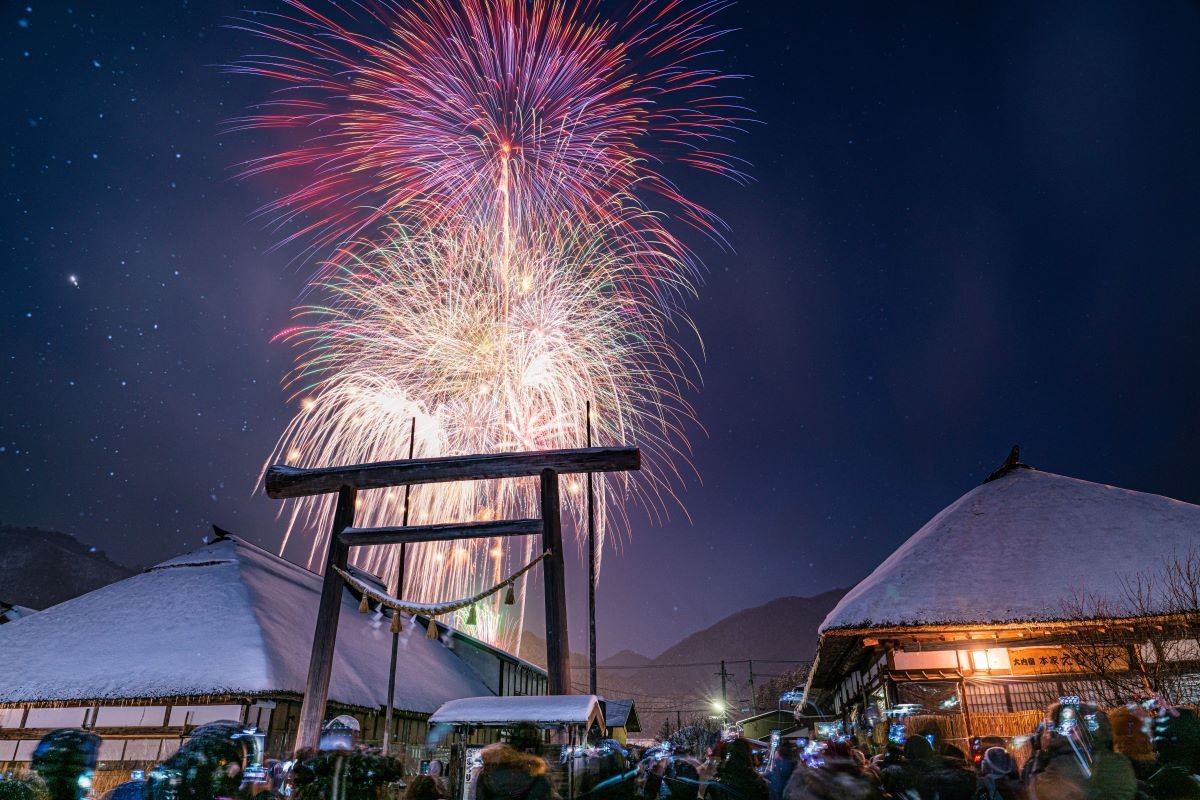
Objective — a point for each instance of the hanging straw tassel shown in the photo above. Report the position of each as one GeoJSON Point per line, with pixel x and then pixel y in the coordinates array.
{"type": "Point", "coordinates": [432, 631]}
{"type": "Point", "coordinates": [510, 597]}
{"type": "Point", "coordinates": [365, 605]}
{"type": "Point", "coordinates": [471, 615]}
{"type": "Point", "coordinates": [396, 623]}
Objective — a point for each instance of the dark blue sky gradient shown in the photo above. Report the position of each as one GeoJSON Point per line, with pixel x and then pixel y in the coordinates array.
{"type": "Point", "coordinates": [972, 225]}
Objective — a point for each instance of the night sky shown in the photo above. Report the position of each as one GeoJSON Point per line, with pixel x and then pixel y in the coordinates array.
{"type": "Point", "coordinates": [972, 225]}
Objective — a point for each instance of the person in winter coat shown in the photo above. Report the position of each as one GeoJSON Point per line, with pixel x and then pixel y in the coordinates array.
{"type": "Point", "coordinates": [1177, 740]}
{"type": "Point", "coordinates": [782, 765]}
{"type": "Point", "coordinates": [207, 767]}
{"type": "Point", "coordinates": [509, 774]}
{"type": "Point", "coordinates": [913, 770]}
{"type": "Point", "coordinates": [998, 777]}
{"type": "Point", "coordinates": [65, 760]}
{"type": "Point", "coordinates": [423, 787]}
{"type": "Point", "coordinates": [1113, 776]}
{"type": "Point", "coordinates": [1077, 757]}
{"type": "Point", "coordinates": [683, 778]}
{"type": "Point", "coordinates": [840, 776]}
{"type": "Point", "coordinates": [736, 777]}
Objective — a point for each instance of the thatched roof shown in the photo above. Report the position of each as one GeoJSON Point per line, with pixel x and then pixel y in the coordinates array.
{"type": "Point", "coordinates": [1014, 548]}
{"type": "Point", "coordinates": [227, 619]}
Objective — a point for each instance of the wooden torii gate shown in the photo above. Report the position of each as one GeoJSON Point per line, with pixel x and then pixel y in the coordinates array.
{"type": "Point", "coordinates": [282, 481]}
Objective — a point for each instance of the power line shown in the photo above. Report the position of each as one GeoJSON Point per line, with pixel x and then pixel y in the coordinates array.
{"type": "Point", "coordinates": [703, 663]}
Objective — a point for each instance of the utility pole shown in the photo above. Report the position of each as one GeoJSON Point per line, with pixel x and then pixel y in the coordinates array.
{"type": "Point", "coordinates": [592, 556]}
{"type": "Point", "coordinates": [753, 698]}
{"type": "Point", "coordinates": [725, 676]}
{"type": "Point", "coordinates": [400, 561]}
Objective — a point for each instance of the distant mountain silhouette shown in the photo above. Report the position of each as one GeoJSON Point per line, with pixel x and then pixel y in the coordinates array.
{"type": "Point", "coordinates": [775, 635]}
{"type": "Point", "coordinates": [40, 568]}
{"type": "Point", "coordinates": [626, 657]}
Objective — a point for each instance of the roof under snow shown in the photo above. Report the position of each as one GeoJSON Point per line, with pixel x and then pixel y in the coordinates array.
{"type": "Point", "coordinates": [1014, 548]}
{"type": "Point", "coordinates": [580, 709]}
{"type": "Point", "coordinates": [227, 619]}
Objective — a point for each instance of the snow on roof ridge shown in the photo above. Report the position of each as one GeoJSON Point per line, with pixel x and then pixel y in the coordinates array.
{"type": "Point", "coordinates": [1027, 530]}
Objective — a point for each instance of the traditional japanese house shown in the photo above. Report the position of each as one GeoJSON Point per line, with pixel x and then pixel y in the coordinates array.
{"type": "Point", "coordinates": [224, 632]}
{"type": "Point", "coordinates": [1029, 588]}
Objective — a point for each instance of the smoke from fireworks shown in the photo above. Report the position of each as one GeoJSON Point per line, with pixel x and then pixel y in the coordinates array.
{"type": "Point", "coordinates": [494, 166]}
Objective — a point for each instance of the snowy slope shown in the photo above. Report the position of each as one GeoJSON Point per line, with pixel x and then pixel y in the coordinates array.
{"type": "Point", "coordinates": [1014, 548]}
{"type": "Point", "coordinates": [229, 618]}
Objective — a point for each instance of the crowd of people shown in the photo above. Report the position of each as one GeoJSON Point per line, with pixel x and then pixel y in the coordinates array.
{"type": "Point", "coordinates": [1078, 752]}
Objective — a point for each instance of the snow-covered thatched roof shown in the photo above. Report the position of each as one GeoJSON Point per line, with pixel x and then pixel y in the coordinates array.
{"type": "Point", "coordinates": [1014, 548]}
{"type": "Point", "coordinates": [227, 619]}
{"type": "Point", "coordinates": [579, 709]}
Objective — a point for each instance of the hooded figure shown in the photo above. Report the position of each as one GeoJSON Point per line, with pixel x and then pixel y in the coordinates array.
{"type": "Point", "coordinates": [782, 766]}
{"type": "Point", "coordinates": [509, 774]}
{"type": "Point", "coordinates": [65, 760]}
{"type": "Point", "coordinates": [736, 777]}
{"type": "Point", "coordinates": [207, 767]}
{"type": "Point", "coordinates": [998, 778]}
{"type": "Point", "coordinates": [839, 777]}
{"type": "Point", "coordinates": [1177, 739]}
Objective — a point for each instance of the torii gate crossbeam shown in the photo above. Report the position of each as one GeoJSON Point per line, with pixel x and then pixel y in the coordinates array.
{"type": "Point", "coordinates": [282, 481]}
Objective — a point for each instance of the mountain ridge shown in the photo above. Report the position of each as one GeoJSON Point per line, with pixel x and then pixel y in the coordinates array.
{"type": "Point", "coordinates": [41, 568]}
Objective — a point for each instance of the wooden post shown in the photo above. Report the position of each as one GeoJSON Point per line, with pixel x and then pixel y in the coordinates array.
{"type": "Point", "coordinates": [966, 711]}
{"type": "Point", "coordinates": [592, 556]}
{"type": "Point", "coordinates": [320, 663]}
{"type": "Point", "coordinates": [592, 572]}
{"type": "Point", "coordinates": [558, 651]}
{"type": "Point", "coordinates": [400, 562]}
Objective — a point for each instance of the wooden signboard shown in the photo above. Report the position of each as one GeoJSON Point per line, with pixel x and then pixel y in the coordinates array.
{"type": "Point", "coordinates": [1057, 660]}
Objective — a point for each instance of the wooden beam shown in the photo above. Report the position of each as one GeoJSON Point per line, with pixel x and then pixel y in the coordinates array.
{"type": "Point", "coordinates": [282, 481]}
{"type": "Point", "coordinates": [558, 651]}
{"type": "Point", "coordinates": [320, 663]}
{"type": "Point", "coordinates": [408, 534]}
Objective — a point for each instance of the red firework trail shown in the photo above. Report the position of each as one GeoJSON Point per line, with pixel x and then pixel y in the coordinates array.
{"type": "Point", "coordinates": [507, 111]}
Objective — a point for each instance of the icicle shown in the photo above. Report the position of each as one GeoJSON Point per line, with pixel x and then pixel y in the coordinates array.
{"type": "Point", "coordinates": [471, 615]}
{"type": "Point", "coordinates": [510, 597]}
{"type": "Point", "coordinates": [432, 631]}
{"type": "Point", "coordinates": [396, 623]}
{"type": "Point", "coordinates": [365, 605]}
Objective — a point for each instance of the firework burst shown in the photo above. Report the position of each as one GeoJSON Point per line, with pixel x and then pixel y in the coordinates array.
{"type": "Point", "coordinates": [423, 327]}
{"type": "Point", "coordinates": [497, 166]}
{"type": "Point", "coordinates": [507, 110]}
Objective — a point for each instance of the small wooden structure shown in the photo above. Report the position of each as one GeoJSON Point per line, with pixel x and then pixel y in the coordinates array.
{"type": "Point", "coordinates": [565, 722]}
{"type": "Point", "coordinates": [282, 481]}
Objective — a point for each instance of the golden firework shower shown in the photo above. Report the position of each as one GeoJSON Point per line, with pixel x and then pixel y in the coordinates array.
{"type": "Point", "coordinates": [486, 171]}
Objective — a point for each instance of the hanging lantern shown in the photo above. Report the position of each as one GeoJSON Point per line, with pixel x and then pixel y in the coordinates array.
{"type": "Point", "coordinates": [510, 597]}
{"type": "Point", "coordinates": [432, 630]}
{"type": "Point", "coordinates": [364, 605]}
{"type": "Point", "coordinates": [396, 624]}
{"type": "Point", "coordinates": [471, 615]}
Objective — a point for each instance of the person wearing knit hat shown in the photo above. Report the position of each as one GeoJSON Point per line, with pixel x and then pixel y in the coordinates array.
{"type": "Point", "coordinates": [998, 778]}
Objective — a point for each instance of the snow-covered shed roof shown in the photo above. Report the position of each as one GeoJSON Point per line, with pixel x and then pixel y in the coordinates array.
{"type": "Point", "coordinates": [578, 709]}
{"type": "Point", "coordinates": [1014, 548]}
{"type": "Point", "coordinates": [621, 714]}
{"type": "Point", "coordinates": [226, 619]}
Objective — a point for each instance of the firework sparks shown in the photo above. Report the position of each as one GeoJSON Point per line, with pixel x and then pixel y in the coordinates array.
{"type": "Point", "coordinates": [462, 110]}
{"type": "Point", "coordinates": [496, 165]}
{"type": "Point", "coordinates": [423, 326]}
